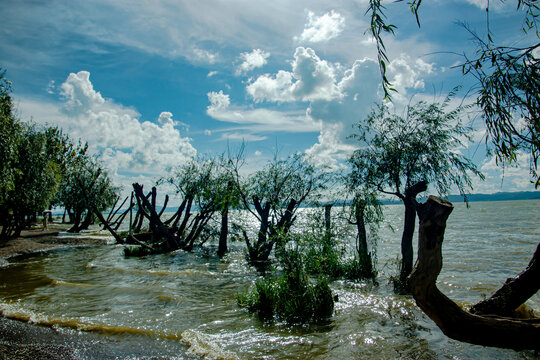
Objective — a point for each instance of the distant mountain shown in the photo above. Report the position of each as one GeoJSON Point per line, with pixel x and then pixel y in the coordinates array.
{"type": "Point", "coordinates": [500, 196]}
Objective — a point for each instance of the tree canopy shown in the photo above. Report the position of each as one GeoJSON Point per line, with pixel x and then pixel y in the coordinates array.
{"type": "Point", "coordinates": [402, 155]}
{"type": "Point", "coordinates": [507, 81]}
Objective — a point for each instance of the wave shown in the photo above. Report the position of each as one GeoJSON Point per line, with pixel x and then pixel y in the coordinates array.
{"type": "Point", "coordinates": [198, 343]}
{"type": "Point", "coordinates": [152, 272]}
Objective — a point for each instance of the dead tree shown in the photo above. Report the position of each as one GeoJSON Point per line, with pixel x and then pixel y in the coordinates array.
{"type": "Point", "coordinates": [456, 323]}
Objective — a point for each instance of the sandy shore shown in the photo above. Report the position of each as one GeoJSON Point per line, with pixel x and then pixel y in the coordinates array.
{"type": "Point", "coordinates": [39, 240]}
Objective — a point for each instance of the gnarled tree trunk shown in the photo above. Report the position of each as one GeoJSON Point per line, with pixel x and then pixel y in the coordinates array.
{"type": "Point", "coordinates": [455, 322]}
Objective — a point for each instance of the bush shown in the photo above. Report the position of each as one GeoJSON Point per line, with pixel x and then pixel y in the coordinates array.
{"type": "Point", "coordinates": [136, 251]}
{"type": "Point", "coordinates": [289, 296]}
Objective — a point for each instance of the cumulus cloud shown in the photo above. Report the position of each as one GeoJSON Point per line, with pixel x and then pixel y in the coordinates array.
{"type": "Point", "coordinates": [218, 101]}
{"type": "Point", "coordinates": [211, 73]}
{"type": "Point", "coordinates": [322, 28]}
{"type": "Point", "coordinates": [360, 88]}
{"type": "Point", "coordinates": [330, 151]}
{"type": "Point", "coordinates": [249, 61]}
{"type": "Point", "coordinates": [405, 73]}
{"type": "Point", "coordinates": [515, 177]}
{"type": "Point", "coordinates": [311, 79]}
{"type": "Point", "coordinates": [127, 143]}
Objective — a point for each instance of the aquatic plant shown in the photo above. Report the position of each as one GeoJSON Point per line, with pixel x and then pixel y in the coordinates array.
{"type": "Point", "coordinates": [136, 251]}
{"type": "Point", "coordinates": [290, 295]}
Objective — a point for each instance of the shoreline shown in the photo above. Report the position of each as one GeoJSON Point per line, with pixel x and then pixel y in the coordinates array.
{"type": "Point", "coordinates": [37, 240]}
{"type": "Point", "coordinates": [28, 341]}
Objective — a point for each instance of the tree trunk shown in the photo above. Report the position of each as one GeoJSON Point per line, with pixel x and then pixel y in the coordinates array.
{"type": "Point", "coordinates": [222, 247]}
{"type": "Point", "coordinates": [449, 317]}
{"type": "Point", "coordinates": [327, 218]}
{"type": "Point", "coordinates": [409, 224]}
{"type": "Point", "coordinates": [159, 230]}
{"type": "Point", "coordinates": [100, 217]}
{"type": "Point", "coordinates": [364, 257]}
{"type": "Point", "coordinates": [76, 222]}
{"type": "Point", "coordinates": [514, 292]}
{"type": "Point", "coordinates": [87, 221]}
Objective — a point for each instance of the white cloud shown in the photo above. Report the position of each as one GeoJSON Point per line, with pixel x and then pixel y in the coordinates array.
{"type": "Point", "coordinates": [242, 137]}
{"type": "Point", "coordinates": [51, 87]}
{"type": "Point", "coordinates": [322, 28]}
{"type": "Point", "coordinates": [330, 151]}
{"type": "Point", "coordinates": [218, 101]}
{"type": "Point", "coordinates": [311, 79]}
{"type": "Point", "coordinates": [211, 73]}
{"type": "Point", "coordinates": [126, 143]}
{"type": "Point", "coordinates": [255, 59]}
{"type": "Point", "coordinates": [204, 56]}
{"type": "Point", "coordinates": [404, 73]}
{"type": "Point", "coordinates": [360, 88]}
{"type": "Point", "coordinates": [258, 119]}
{"type": "Point", "coordinates": [515, 177]}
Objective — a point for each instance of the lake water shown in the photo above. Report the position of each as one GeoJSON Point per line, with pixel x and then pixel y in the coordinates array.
{"type": "Point", "coordinates": [183, 305]}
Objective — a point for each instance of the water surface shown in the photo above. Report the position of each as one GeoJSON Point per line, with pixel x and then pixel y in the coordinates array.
{"type": "Point", "coordinates": [184, 304]}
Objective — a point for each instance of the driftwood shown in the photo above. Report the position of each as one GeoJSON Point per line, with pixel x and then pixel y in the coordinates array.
{"type": "Point", "coordinates": [455, 322]}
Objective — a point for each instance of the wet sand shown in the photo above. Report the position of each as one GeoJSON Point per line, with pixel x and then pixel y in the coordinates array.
{"type": "Point", "coordinates": [38, 239]}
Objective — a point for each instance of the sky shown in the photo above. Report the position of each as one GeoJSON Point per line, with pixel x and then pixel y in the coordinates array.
{"type": "Point", "coordinates": [151, 84]}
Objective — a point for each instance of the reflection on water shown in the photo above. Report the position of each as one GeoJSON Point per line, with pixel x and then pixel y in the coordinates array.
{"type": "Point", "coordinates": [185, 302]}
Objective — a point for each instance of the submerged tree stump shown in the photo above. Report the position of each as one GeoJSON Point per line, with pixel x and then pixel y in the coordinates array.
{"type": "Point", "coordinates": [455, 322]}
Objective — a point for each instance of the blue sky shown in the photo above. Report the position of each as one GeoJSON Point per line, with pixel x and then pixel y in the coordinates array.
{"type": "Point", "coordinates": [150, 84]}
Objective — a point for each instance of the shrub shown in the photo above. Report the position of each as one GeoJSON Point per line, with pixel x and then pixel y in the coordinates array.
{"type": "Point", "coordinates": [136, 251]}
{"type": "Point", "coordinates": [289, 296]}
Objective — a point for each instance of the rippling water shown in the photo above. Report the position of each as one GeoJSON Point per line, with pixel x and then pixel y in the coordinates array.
{"type": "Point", "coordinates": [184, 304]}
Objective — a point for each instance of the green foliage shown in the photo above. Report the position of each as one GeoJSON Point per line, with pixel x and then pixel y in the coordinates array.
{"type": "Point", "coordinates": [321, 252]}
{"type": "Point", "coordinates": [397, 152]}
{"type": "Point", "coordinates": [273, 195]}
{"type": "Point", "coordinates": [509, 96]}
{"type": "Point", "coordinates": [289, 296]}
{"type": "Point", "coordinates": [10, 136]}
{"type": "Point", "coordinates": [86, 186]}
{"type": "Point", "coordinates": [507, 79]}
{"type": "Point", "coordinates": [35, 163]}
{"type": "Point", "coordinates": [136, 251]}
{"type": "Point", "coordinates": [207, 185]}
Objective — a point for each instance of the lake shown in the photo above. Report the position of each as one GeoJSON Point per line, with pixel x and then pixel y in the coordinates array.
{"type": "Point", "coordinates": [183, 305]}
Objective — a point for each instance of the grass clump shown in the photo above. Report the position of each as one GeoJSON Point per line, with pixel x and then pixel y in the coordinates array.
{"type": "Point", "coordinates": [136, 251]}
{"type": "Point", "coordinates": [289, 295]}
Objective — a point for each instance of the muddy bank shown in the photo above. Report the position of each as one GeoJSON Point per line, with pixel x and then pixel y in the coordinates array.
{"type": "Point", "coordinates": [41, 240]}
{"type": "Point", "coordinates": [23, 340]}
{"type": "Point", "coordinates": [26, 341]}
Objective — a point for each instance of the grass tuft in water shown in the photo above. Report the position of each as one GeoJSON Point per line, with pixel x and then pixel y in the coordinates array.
{"type": "Point", "coordinates": [290, 295]}
{"type": "Point", "coordinates": [136, 251]}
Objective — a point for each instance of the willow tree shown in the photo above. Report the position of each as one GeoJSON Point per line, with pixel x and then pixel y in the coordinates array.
{"type": "Point", "coordinates": [507, 79]}
{"type": "Point", "coordinates": [402, 155]}
{"type": "Point", "coordinates": [86, 188]}
{"type": "Point", "coordinates": [273, 196]}
{"type": "Point", "coordinates": [364, 212]}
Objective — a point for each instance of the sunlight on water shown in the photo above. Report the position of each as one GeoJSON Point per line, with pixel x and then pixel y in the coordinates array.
{"type": "Point", "coordinates": [189, 299]}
